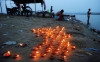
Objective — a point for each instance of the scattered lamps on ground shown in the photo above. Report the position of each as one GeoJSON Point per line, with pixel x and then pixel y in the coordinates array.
{"type": "Point", "coordinates": [55, 42]}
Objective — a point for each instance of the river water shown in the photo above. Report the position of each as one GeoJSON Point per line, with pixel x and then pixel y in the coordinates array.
{"type": "Point", "coordinates": [94, 20]}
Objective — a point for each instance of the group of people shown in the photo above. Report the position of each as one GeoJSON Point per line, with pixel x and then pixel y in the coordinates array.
{"type": "Point", "coordinates": [60, 16]}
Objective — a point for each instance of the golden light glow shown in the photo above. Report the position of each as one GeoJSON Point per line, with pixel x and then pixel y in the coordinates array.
{"type": "Point", "coordinates": [21, 44]}
{"type": "Point", "coordinates": [55, 41]}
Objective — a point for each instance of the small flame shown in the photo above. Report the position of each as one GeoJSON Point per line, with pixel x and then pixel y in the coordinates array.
{"type": "Point", "coordinates": [51, 37]}
{"type": "Point", "coordinates": [37, 52]}
{"type": "Point", "coordinates": [8, 52]}
{"type": "Point", "coordinates": [68, 44]}
{"type": "Point", "coordinates": [20, 44]}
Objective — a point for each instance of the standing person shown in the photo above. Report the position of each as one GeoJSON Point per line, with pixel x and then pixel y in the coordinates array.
{"type": "Point", "coordinates": [88, 16]}
{"type": "Point", "coordinates": [51, 9]}
{"type": "Point", "coordinates": [19, 7]}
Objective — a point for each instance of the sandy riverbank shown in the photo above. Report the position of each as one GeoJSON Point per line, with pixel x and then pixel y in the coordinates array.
{"type": "Point", "coordinates": [18, 28]}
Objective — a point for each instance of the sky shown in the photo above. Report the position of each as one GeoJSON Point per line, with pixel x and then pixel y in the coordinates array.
{"type": "Point", "coordinates": [70, 6]}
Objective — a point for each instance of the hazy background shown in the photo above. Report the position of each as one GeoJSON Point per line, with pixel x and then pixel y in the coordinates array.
{"type": "Point", "coordinates": [71, 6]}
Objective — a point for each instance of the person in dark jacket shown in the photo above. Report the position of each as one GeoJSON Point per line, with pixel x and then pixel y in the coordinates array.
{"type": "Point", "coordinates": [51, 9]}
{"type": "Point", "coordinates": [88, 15]}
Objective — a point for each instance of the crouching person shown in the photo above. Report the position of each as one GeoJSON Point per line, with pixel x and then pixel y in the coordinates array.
{"type": "Point", "coordinates": [59, 15]}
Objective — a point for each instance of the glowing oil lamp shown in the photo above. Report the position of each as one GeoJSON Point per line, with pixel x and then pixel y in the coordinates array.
{"type": "Point", "coordinates": [35, 49]}
{"type": "Point", "coordinates": [57, 27]}
{"type": "Point", "coordinates": [42, 43]}
{"type": "Point", "coordinates": [48, 50]}
{"type": "Point", "coordinates": [52, 37]}
{"type": "Point", "coordinates": [67, 35]}
{"type": "Point", "coordinates": [62, 58]}
{"type": "Point", "coordinates": [21, 44]}
{"type": "Point", "coordinates": [73, 47]}
{"type": "Point", "coordinates": [63, 28]}
{"type": "Point", "coordinates": [7, 54]}
{"type": "Point", "coordinates": [33, 30]}
{"type": "Point", "coordinates": [63, 34]}
{"type": "Point", "coordinates": [32, 55]}
{"type": "Point", "coordinates": [37, 35]}
{"type": "Point", "coordinates": [39, 46]}
{"type": "Point", "coordinates": [68, 44]}
{"type": "Point", "coordinates": [55, 52]}
{"type": "Point", "coordinates": [43, 55]}
{"type": "Point", "coordinates": [15, 56]}
{"type": "Point", "coordinates": [58, 49]}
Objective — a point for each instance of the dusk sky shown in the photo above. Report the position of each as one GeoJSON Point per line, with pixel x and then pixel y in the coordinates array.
{"type": "Point", "coordinates": [68, 5]}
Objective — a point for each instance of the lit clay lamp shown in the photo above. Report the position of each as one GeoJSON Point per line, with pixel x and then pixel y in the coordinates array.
{"type": "Point", "coordinates": [7, 54]}
{"type": "Point", "coordinates": [73, 47]}
{"type": "Point", "coordinates": [51, 36]}
{"type": "Point", "coordinates": [35, 49]}
{"type": "Point", "coordinates": [55, 52]}
{"type": "Point", "coordinates": [62, 28]}
{"type": "Point", "coordinates": [57, 27]}
{"type": "Point", "coordinates": [68, 46]}
{"type": "Point", "coordinates": [48, 50]}
{"type": "Point", "coordinates": [15, 56]}
{"type": "Point", "coordinates": [34, 54]}
{"type": "Point", "coordinates": [60, 32]}
{"type": "Point", "coordinates": [49, 46]}
{"type": "Point", "coordinates": [40, 32]}
{"type": "Point", "coordinates": [43, 55]}
{"type": "Point", "coordinates": [39, 46]}
{"type": "Point", "coordinates": [63, 52]}
{"type": "Point", "coordinates": [62, 58]}
{"type": "Point", "coordinates": [66, 52]}
{"type": "Point", "coordinates": [33, 30]}
{"type": "Point", "coordinates": [52, 57]}
{"type": "Point", "coordinates": [42, 43]}
{"type": "Point", "coordinates": [21, 44]}
{"type": "Point", "coordinates": [37, 35]}
{"type": "Point", "coordinates": [63, 34]}
{"type": "Point", "coordinates": [57, 36]}
{"type": "Point", "coordinates": [67, 35]}
{"type": "Point", "coordinates": [45, 42]}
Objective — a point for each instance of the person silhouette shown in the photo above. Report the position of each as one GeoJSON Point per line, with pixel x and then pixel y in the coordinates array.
{"type": "Point", "coordinates": [59, 15]}
{"type": "Point", "coordinates": [88, 16]}
{"type": "Point", "coordinates": [51, 9]}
